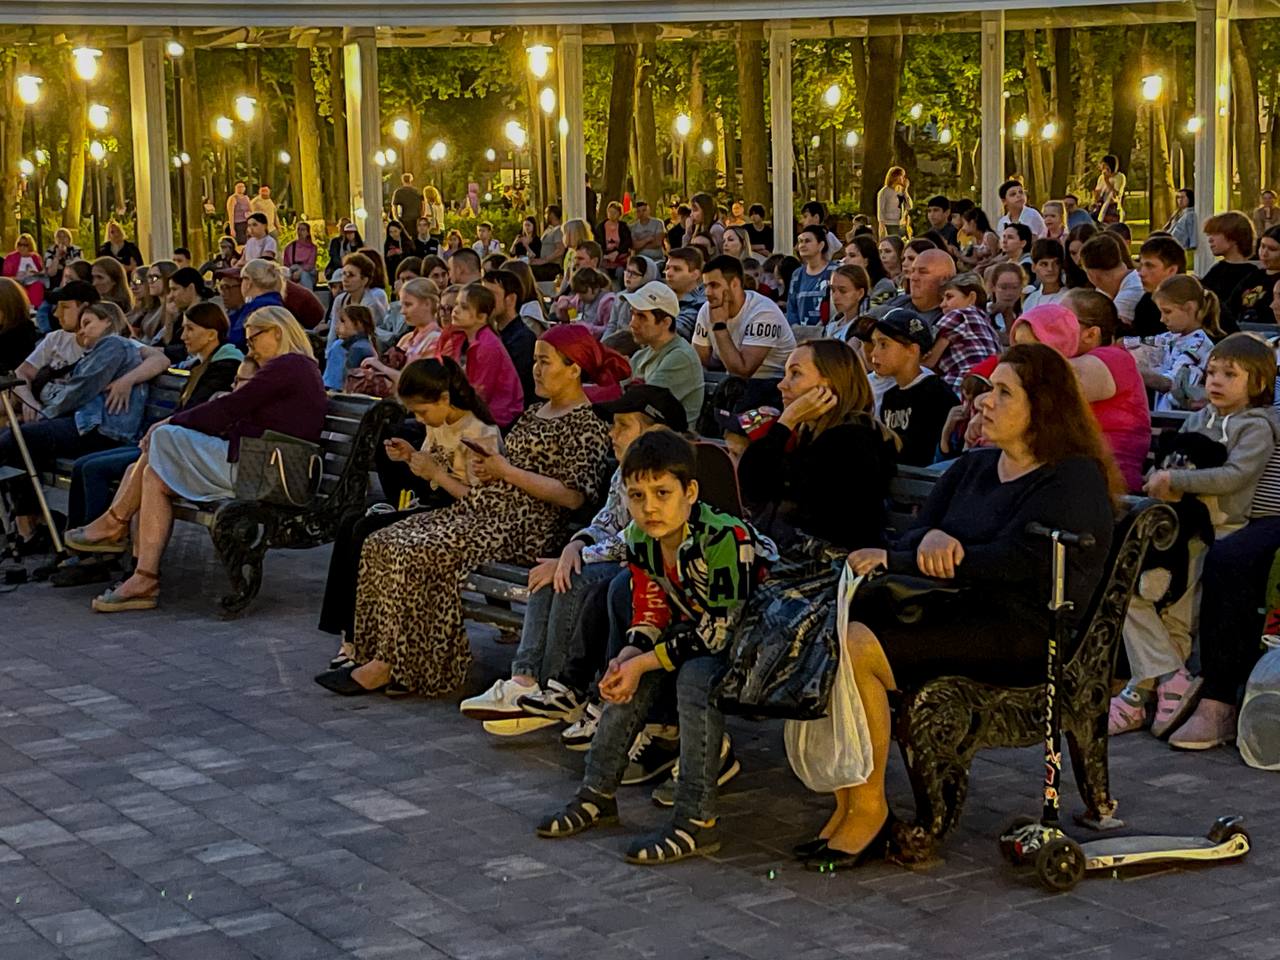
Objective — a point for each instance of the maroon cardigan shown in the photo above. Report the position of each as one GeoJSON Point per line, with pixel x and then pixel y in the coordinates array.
{"type": "Point", "coordinates": [286, 395]}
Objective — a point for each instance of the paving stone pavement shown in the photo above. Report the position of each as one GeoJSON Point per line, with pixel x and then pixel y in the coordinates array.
{"type": "Point", "coordinates": [175, 786]}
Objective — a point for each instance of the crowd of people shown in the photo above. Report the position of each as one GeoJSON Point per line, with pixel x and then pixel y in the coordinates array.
{"type": "Point", "coordinates": [557, 391]}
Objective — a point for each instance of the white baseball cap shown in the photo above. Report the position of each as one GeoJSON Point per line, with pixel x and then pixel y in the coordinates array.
{"type": "Point", "coordinates": [655, 295]}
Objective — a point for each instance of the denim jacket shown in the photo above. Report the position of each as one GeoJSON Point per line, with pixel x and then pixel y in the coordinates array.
{"type": "Point", "coordinates": [84, 394]}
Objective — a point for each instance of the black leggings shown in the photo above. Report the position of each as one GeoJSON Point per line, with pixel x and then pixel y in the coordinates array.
{"type": "Point", "coordinates": [1231, 618]}
{"type": "Point", "coordinates": [396, 477]}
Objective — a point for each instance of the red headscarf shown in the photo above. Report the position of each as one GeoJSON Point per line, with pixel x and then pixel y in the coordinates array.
{"type": "Point", "coordinates": [602, 367]}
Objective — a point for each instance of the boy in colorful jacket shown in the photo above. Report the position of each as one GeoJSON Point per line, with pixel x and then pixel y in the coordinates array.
{"type": "Point", "coordinates": [692, 570]}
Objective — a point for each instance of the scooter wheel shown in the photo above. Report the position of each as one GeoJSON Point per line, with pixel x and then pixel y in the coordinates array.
{"type": "Point", "coordinates": [1060, 864]}
{"type": "Point", "coordinates": [1006, 844]}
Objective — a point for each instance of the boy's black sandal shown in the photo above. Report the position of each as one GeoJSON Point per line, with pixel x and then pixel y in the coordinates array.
{"type": "Point", "coordinates": [679, 839]}
{"type": "Point", "coordinates": [586, 810]}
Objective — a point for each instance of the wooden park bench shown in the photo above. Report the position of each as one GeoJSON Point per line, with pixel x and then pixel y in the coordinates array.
{"type": "Point", "coordinates": [244, 530]}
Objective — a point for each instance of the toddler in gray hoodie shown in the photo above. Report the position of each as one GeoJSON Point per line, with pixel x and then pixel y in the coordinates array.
{"type": "Point", "coordinates": [1239, 415]}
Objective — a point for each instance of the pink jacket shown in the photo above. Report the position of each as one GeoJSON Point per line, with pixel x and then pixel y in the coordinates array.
{"type": "Point", "coordinates": [35, 290]}
{"type": "Point", "coordinates": [490, 370]}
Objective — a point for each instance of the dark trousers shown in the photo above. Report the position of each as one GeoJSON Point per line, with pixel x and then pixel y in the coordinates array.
{"type": "Point", "coordinates": [94, 479]}
{"type": "Point", "coordinates": [47, 440]}
{"type": "Point", "coordinates": [1231, 615]}
{"type": "Point", "coordinates": [396, 477]}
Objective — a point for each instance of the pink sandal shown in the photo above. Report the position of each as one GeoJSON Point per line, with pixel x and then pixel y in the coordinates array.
{"type": "Point", "coordinates": [1125, 717]}
{"type": "Point", "coordinates": [1175, 699]}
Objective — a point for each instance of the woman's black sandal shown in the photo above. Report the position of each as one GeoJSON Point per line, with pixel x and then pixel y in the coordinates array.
{"type": "Point", "coordinates": [679, 839]}
{"type": "Point", "coordinates": [586, 810]}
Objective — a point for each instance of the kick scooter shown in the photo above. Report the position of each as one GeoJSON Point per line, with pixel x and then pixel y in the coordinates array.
{"type": "Point", "coordinates": [1059, 861]}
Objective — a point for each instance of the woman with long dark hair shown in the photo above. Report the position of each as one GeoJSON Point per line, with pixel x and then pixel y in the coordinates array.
{"type": "Point", "coordinates": [864, 252]}
{"type": "Point", "coordinates": [1047, 463]}
{"type": "Point", "coordinates": [1074, 277]}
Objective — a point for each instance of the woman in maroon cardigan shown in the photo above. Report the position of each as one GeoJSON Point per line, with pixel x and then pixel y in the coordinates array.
{"type": "Point", "coordinates": [193, 454]}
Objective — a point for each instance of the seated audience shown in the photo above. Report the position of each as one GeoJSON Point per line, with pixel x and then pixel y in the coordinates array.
{"type": "Point", "coordinates": [1250, 301]}
{"type": "Point", "coordinates": [929, 272]}
{"type": "Point", "coordinates": [193, 455]}
{"type": "Point", "coordinates": [1047, 465]}
{"type": "Point", "coordinates": [359, 286]}
{"type": "Point", "coordinates": [743, 332]}
{"type": "Point", "coordinates": [693, 567]}
{"type": "Point", "coordinates": [518, 510]}
{"type": "Point", "coordinates": [827, 429]}
{"type": "Point", "coordinates": [1231, 236]}
{"type": "Point", "coordinates": [1076, 278]}
{"type": "Point", "coordinates": [683, 274]}
{"type": "Point", "coordinates": [638, 272]}
{"type": "Point", "coordinates": [25, 267]}
{"type": "Point", "coordinates": [1106, 263]}
{"type": "Point", "coordinates": [438, 396]}
{"type": "Point", "coordinates": [1046, 263]}
{"type": "Point", "coordinates": [1241, 389]}
{"type": "Point", "coordinates": [353, 345]}
{"type": "Point", "coordinates": [300, 257]}
{"type": "Point", "coordinates": [1174, 363]}
{"type": "Point", "coordinates": [1006, 282]}
{"type": "Point", "coordinates": [850, 299]}
{"type": "Point", "coordinates": [862, 251]}
{"type": "Point", "coordinates": [807, 303]}
{"type": "Point", "coordinates": [507, 289]}
{"type": "Point", "coordinates": [18, 333]}
{"type": "Point", "coordinates": [664, 358]}
{"type": "Point", "coordinates": [1159, 258]}
{"type": "Point", "coordinates": [488, 365]}
{"type": "Point", "coordinates": [964, 335]}
{"type": "Point", "coordinates": [917, 405]}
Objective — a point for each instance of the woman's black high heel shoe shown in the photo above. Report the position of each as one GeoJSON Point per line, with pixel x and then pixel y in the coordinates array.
{"type": "Point", "coordinates": [803, 851]}
{"type": "Point", "coordinates": [828, 860]}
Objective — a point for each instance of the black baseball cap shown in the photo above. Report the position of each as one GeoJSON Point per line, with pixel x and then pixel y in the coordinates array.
{"type": "Point", "coordinates": [190, 277]}
{"type": "Point", "coordinates": [906, 326]}
{"type": "Point", "coordinates": [81, 291]}
{"type": "Point", "coordinates": [656, 403]}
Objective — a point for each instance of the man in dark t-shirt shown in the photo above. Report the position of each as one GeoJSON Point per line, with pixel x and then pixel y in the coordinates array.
{"type": "Point", "coordinates": [406, 203]}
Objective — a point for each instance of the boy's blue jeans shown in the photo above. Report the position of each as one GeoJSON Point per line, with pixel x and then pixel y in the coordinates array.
{"type": "Point", "coordinates": [547, 638]}
{"type": "Point", "coordinates": [701, 731]}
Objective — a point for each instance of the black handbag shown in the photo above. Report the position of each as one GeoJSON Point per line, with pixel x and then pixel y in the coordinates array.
{"type": "Point", "coordinates": [907, 599]}
{"type": "Point", "coordinates": [785, 650]}
{"type": "Point", "coordinates": [279, 469]}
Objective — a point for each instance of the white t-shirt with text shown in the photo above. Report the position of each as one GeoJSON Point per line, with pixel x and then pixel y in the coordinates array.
{"type": "Point", "coordinates": [759, 324]}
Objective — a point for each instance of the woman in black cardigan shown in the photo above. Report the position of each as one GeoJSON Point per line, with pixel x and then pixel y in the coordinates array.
{"type": "Point", "coordinates": [824, 466]}
{"type": "Point", "coordinates": [1047, 463]}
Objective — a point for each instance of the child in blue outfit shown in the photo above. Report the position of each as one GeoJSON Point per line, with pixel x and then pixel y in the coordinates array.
{"type": "Point", "coordinates": [352, 345]}
{"type": "Point", "coordinates": [692, 570]}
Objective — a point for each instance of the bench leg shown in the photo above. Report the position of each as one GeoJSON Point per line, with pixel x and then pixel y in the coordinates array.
{"type": "Point", "coordinates": [240, 540]}
{"type": "Point", "coordinates": [935, 752]}
{"type": "Point", "coordinates": [1088, 745]}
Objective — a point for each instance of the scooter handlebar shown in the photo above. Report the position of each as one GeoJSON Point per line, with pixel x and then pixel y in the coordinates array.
{"type": "Point", "coordinates": [1070, 539]}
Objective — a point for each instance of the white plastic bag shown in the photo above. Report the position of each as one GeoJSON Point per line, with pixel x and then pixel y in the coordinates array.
{"type": "Point", "coordinates": [1258, 735]}
{"type": "Point", "coordinates": [834, 752]}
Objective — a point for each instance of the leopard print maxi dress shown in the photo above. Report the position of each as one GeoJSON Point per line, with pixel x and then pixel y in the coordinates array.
{"type": "Point", "coordinates": [408, 601]}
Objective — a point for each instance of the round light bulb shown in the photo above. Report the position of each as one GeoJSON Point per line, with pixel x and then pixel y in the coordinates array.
{"type": "Point", "coordinates": [707, 146]}
{"type": "Point", "coordinates": [392, 156]}
{"type": "Point", "coordinates": [851, 139]}
{"type": "Point", "coordinates": [85, 61]}
{"type": "Point", "coordinates": [29, 88]}
{"type": "Point", "coordinates": [26, 167]}
{"type": "Point", "coordinates": [1021, 128]}
{"type": "Point", "coordinates": [916, 111]}
{"type": "Point", "coordinates": [515, 133]}
{"type": "Point", "coordinates": [284, 157]}
{"type": "Point", "coordinates": [380, 158]}
{"type": "Point", "coordinates": [361, 213]}
{"type": "Point", "coordinates": [438, 151]}
{"type": "Point", "coordinates": [1049, 131]}
{"type": "Point", "coordinates": [816, 142]}
{"type": "Point", "coordinates": [945, 136]}
{"type": "Point", "coordinates": [246, 107]}
{"type": "Point", "coordinates": [400, 129]}
{"type": "Point", "coordinates": [831, 96]}
{"type": "Point", "coordinates": [1194, 125]}
{"type": "Point", "coordinates": [491, 155]}
{"type": "Point", "coordinates": [41, 156]}
{"type": "Point", "coordinates": [184, 157]}
{"type": "Point", "coordinates": [174, 49]}
{"type": "Point", "coordinates": [684, 124]}
{"type": "Point", "coordinates": [97, 151]}
{"type": "Point", "coordinates": [488, 197]}
{"type": "Point", "coordinates": [547, 100]}
{"type": "Point", "coordinates": [177, 162]}
{"type": "Point", "coordinates": [99, 116]}
{"type": "Point", "coordinates": [1152, 87]}
{"type": "Point", "coordinates": [224, 128]}
{"type": "Point", "coordinates": [563, 126]}
{"type": "Point", "coordinates": [539, 59]}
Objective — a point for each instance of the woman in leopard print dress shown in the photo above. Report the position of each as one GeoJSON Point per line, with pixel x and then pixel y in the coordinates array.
{"type": "Point", "coordinates": [408, 625]}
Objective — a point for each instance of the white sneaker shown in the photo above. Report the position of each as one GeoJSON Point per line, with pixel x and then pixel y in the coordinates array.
{"type": "Point", "coordinates": [578, 736]}
{"type": "Point", "coordinates": [517, 726]}
{"type": "Point", "coordinates": [498, 702]}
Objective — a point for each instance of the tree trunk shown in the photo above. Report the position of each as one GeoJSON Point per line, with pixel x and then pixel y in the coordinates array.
{"type": "Point", "coordinates": [879, 110]}
{"type": "Point", "coordinates": [701, 167]}
{"type": "Point", "coordinates": [1244, 102]}
{"type": "Point", "coordinates": [621, 110]}
{"type": "Point", "coordinates": [1124, 97]}
{"type": "Point", "coordinates": [755, 139]}
{"type": "Point", "coordinates": [1086, 60]}
{"type": "Point", "coordinates": [309, 199]}
{"type": "Point", "coordinates": [1162, 196]}
{"type": "Point", "coordinates": [1065, 110]}
{"type": "Point", "coordinates": [1037, 115]}
{"type": "Point", "coordinates": [338, 95]}
{"type": "Point", "coordinates": [76, 124]}
{"type": "Point", "coordinates": [648, 162]}
{"type": "Point", "coordinates": [11, 140]}
{"type": "Point", "coordinates": [1274, 134]}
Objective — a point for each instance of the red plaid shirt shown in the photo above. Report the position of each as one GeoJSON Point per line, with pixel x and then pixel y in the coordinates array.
{"type": "Point", "coordinates": [971, 338]}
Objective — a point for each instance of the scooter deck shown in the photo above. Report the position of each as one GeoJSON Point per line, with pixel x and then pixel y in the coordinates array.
{"type": "Point", "coordinates": [1126, 851]}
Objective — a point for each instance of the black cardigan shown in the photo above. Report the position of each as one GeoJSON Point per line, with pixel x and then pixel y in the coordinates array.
{"type": "Point", "coordinates": [832, 487]}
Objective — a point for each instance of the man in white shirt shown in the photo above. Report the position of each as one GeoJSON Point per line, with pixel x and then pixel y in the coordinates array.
{"type": "Point", "coordinates": [264, 205]}
{"type": "Point", "coordinates": [1102, 258]}
{"type": "Point", "coordinates": [744, 331]}
{"type": "Point", "coordinates": [1014, 197]}
{"type": "Point", "coordinates": [260, 245]}
{"type": "Point", "coordinates": [486, 243]}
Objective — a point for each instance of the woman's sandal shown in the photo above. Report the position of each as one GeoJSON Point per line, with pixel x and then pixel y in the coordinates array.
{"type": "Point", "coordinates": [679, 839]}
{"type": "Point", "coordinates": [77, 541]}
{"type": "Point", "coordinates": [586, 810]}
{"type": "Point", "coordinates": [113, 602]}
